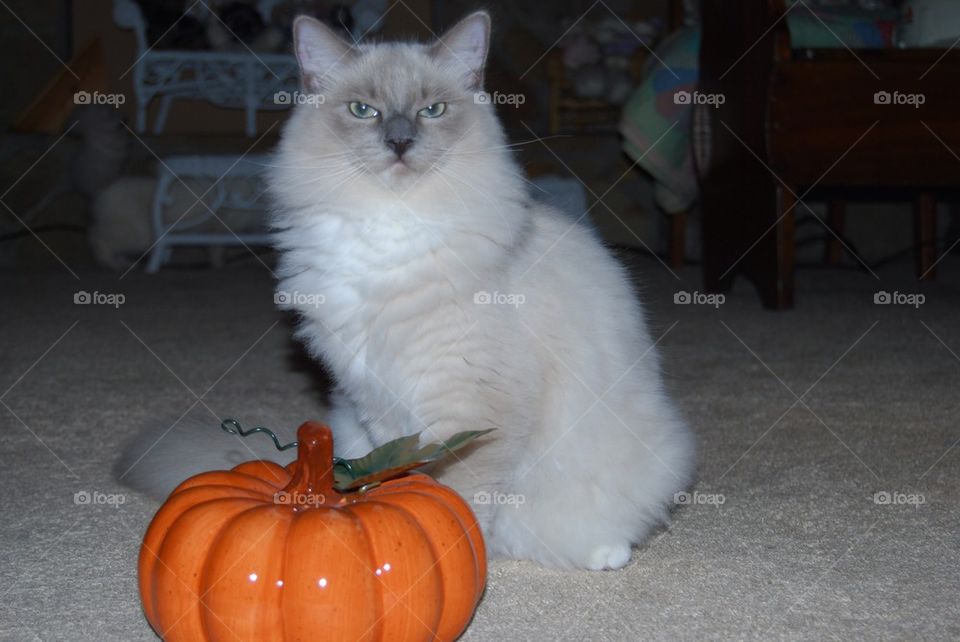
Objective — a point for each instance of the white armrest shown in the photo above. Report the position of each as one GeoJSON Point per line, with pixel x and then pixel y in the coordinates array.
{"type": "Point", "coordinates": [127, 15]}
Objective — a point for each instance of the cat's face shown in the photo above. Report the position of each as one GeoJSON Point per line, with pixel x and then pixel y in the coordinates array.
{"type": "Point", "coordinates": [394, 111]}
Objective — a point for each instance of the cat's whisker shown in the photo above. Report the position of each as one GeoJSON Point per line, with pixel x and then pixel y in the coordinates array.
{"type": "Point", "coordinates": [334, 174]}
{"type": "Point", "coordinates": [486, 197]}
{"type": "Point", "coordinates": [349, 177]}
{"type": "Point", "coordinates": [327, 190]}
{"type": "Point", "coordinates": [321, 176]}
{"type": "Point", "coordinates": [531, 141]}
{"type": "Point", "coordinates": [532, 184]}
{"type": "Point", "coordinates": [333, 156]}
{"type": "Point", "coordinates": [452, 189]}
{"type": "Point", "coordinates": [525, 180]}
{"type": "Point", "coordinates": [508, 146]}
{"type": "Point", "coordinates": [325, 175]}
{"type": "Point", "coordinates": [454, 176]}
{"type": "Point", "coordinates": [332, 165]}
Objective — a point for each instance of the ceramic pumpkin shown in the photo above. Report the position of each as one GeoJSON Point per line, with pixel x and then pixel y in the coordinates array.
{"type": "Point", "coordinates": [268, 553]}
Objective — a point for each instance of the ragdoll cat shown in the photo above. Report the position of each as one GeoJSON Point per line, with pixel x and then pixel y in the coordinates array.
{"type": "Point", "coordinates": [121, 223]}
{"type": "Point", "coordinates": [452, 301]}
{"type": "Point", "coordinates": [443, 298]}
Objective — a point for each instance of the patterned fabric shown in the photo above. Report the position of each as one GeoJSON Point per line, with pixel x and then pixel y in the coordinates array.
{"type": "Point", "coordinates": [657, 122]}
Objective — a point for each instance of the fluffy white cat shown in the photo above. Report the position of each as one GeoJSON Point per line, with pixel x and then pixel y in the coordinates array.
{"type": "Point", "coordinates": [453, 301]}
{"type": "Point", "coordinates": [444, 298]}
{"type": "Point", "coordinates": [121, 227]}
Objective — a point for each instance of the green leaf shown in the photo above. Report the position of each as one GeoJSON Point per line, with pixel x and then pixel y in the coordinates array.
{"type": "Point", "coordinates": [396, 457]}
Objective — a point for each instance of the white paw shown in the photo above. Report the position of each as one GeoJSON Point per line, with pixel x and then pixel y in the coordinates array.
{"type": "Point", "coordinates": [608, 557]}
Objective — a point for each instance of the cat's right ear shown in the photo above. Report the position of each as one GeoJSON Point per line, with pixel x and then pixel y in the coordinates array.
{"type": "Point", "coordinates": [319, 50]}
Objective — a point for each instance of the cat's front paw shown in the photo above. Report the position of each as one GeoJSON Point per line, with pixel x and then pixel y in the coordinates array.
{"type": "Point", "coordinates": [604, 558]}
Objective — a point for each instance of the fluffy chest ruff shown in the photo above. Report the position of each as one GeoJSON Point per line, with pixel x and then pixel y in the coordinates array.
{"type": "Point", "coordinates": [393, 310]}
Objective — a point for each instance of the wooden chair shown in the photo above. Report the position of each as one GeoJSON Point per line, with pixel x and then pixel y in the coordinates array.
{"type": "Point", "coordinates": [794, 120]}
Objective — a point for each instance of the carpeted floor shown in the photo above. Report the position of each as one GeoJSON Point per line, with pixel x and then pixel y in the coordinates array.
{"type": "Point", "coordinates": [803, 416]}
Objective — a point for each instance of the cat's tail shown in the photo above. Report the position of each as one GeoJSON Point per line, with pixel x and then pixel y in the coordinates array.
{"type": "Point", "coordinates": [166, 453]}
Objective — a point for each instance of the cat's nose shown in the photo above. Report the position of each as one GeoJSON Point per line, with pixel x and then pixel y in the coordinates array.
{"type": "Point", "coordinates": [399, 145]}
{"type": "Point", "coordinates": [399, 134]}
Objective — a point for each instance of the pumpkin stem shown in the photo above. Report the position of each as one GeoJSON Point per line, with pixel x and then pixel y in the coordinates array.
{"type": "Point", "coordinates": [312, 483]}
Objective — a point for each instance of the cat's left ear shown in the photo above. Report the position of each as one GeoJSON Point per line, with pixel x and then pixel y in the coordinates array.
{"type": "Point", "coordinates": [464, 47]}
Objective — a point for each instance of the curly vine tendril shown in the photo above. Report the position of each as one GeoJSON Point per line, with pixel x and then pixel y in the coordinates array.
{"type": "Point", "coordinates": [233, 427]}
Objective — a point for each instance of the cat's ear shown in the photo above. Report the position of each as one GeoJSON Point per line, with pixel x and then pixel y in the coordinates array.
{"type": "Point", "coordinates": [464, 48]}
{"type": "Point", "coordinates": [319, 49]}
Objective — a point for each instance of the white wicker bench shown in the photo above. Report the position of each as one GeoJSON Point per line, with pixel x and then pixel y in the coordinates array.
{"type": "Point", "coordinates": [236, 184]}
{"type": "Point", "coordinates": [242, 80]}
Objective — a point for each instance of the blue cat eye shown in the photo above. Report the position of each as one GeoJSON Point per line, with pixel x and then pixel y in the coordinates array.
{"type": "Point", "coordinates": [432, 111]}
{"type": "Point", "coordinates": [362, 110]}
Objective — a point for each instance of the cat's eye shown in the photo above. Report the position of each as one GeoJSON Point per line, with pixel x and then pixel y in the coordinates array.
{"type": "Point", "coordinates": [432, 111]}
{"type": "Point", "coordinates": [363, 110]}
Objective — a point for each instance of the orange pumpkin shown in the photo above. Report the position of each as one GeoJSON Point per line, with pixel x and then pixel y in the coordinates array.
{"type": "Point", "coordinates": [268, 553]}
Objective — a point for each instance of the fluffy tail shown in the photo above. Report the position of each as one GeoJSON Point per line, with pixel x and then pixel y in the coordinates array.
{"type": "Point", "coordinates": [165, 454]}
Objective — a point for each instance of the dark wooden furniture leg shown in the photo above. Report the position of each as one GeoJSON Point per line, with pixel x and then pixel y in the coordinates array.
{"type": "Point", "coordinates": [925, 222]}
{"type": "Point", "coordinates": [741, 200]}
{"type": "Point", "coordinates": [770, 264]}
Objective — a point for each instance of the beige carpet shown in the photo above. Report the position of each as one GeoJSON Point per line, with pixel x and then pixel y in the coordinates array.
{"type": "Point", "coordinates": [798, 549]}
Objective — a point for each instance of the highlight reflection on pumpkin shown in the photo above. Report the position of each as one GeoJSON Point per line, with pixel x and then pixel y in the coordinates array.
{"type": "Point", "coordinates": [268, 553]}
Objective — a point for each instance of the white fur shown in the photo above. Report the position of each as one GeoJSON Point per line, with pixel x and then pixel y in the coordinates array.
{"type": "Point", "coordinates": [121, 229]}
{"type": "Point", "coordinates": [412, 351]}
{"type": "Point", "coordinates": [588, 450]}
